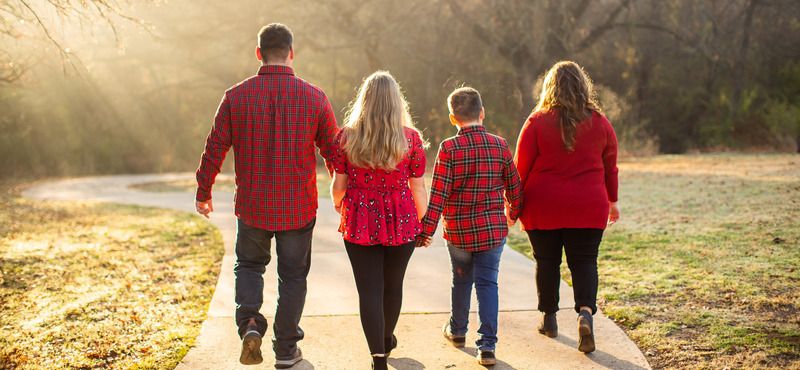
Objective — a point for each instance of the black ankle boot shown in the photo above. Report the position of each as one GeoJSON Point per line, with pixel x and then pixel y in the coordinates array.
{"type": "Point", "coordinates": [585, 332]}
{"type": "Point", "coordinates": [549, 325]}
{"type": "Point", "coordinates": [391, 343]}
{"type": "Point", "coordinates": [379, 363]}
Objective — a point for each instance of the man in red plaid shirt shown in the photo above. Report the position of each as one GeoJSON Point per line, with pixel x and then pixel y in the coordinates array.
{"type": "Point", "coordinates": [272, 121]}
{"type": "Point", "coordinates": [474, 171]}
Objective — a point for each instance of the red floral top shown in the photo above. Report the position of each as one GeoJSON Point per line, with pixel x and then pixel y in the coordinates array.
{"type": "Point", "coordinates": [378, 207]}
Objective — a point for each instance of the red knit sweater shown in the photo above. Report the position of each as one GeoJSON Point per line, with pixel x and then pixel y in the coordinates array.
{"type": "Point", "coordinates": [562, 189]}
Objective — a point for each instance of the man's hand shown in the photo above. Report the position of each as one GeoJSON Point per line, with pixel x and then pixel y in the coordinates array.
{"type": "Point", "coordinates": [204, 208]}
{"type": "Point", "coordinates": [423, 241]}
{"type": "Point", "coordinates": [613, 213]}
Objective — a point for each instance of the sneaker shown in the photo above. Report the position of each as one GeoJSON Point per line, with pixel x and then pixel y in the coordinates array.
{"type": "Point", "coordinates": [585, 332]}
{"type": "Point", "coordinates": [285, 363]}
{"type": "Point", "coordinates": [486, 358]}
{"type": "Point", "coordinates": [391, 343]}
{"type": "Point", "coordinates": [549, 325]}
{"type": "Point", "coordinates": [251, 347]}
{"type": "Point", "coordinates": [457, 341]}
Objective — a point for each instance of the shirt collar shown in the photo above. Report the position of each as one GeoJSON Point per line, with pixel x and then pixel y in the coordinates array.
{"type": "Point", "coordinates": [469, 129]}
{"type": "Point", "coordinates": [275, 69]}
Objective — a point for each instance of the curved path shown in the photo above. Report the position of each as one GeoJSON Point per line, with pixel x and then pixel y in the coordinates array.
{"type": "Point", "coordinates": [334, 339]}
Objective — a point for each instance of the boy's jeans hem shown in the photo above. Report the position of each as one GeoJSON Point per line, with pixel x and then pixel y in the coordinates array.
{"type": "Point", "coordinates": [480, 269]}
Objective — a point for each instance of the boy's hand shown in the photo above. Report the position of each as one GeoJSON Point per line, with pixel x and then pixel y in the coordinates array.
{"type": "Point", "coordinates": [204, 208]}
{"type": "Point", "coordinates": [423, 241]}
{"type": "Point", "coordinates": [511, 222]}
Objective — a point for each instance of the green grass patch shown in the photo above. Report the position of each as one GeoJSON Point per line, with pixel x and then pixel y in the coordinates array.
{"type": "Point", "coordinates": [88, 285]}
{"type": "Point", "coordinates": [703, 269]}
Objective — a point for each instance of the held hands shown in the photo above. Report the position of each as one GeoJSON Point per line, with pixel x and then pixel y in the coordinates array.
{"type": "Point", "coordinates": [613, 213]}
{"type": "Point", "coordinates": [423, 241]}
{"type": "Point", "coordinates": [511, 222]}
{"type": "Point", "coordinates": [204, 208]}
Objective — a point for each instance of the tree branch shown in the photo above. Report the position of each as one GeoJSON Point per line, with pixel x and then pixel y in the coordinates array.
{"type": "Point", "coordinates": [604, 27]}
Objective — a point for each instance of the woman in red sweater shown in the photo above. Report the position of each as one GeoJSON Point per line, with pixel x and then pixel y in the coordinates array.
{"type": "Point", "coordinates": [567, 161]}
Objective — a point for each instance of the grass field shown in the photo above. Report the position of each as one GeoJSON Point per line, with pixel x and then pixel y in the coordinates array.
{"type": "Point", "coordinates": [85, 286]}
{"type": "Point", "coordinates": [703, 270]}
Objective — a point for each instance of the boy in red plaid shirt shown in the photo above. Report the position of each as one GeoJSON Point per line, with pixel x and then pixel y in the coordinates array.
{"type": "Point", "coordinates": [473, 174]}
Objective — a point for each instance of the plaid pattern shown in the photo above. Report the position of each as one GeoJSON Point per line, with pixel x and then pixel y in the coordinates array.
{"type": "Point", "coordinates": [273, 121]}
{"type": "Point", "coordinates": [473, 171]}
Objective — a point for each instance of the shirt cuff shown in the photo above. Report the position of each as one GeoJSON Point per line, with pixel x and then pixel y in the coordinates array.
{"type": "Point", "coordinates": [202, 196]}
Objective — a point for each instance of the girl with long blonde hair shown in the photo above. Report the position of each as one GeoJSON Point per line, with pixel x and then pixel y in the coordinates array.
{"type": "Point", "coordinates": [379, 191]}
{"type": "Point", "coordinates": [567, 161]}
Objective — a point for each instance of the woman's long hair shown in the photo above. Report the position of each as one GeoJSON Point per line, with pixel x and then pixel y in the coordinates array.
{"type": "Point", "coordinates": [568, 89]}
{"type": "Point", "coordinates": [374, 136]}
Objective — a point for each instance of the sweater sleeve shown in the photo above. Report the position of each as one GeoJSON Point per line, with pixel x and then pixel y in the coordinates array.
{"type": "Point", "coordinates": [610, 162]}
{"type": "Point", "coordinates": [527, 150]}
{"type": "Point", "coordinates": [513, 193]}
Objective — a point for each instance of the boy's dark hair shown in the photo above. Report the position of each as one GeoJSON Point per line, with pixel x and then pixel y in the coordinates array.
{"type": "Point", "coordinates": [275, 41]}
{"type": "Point", "coordinates": [465, 103]}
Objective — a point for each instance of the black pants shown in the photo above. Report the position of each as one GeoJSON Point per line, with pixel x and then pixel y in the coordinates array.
{"type": "Point", "coordinates": [580, 246]}
{"type": "Point", "coordinates": [379, 271]}
{"type": "Point", "coordinates": [293, 248]}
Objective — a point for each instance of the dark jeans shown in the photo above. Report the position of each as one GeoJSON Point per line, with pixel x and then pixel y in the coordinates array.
{"type": "Point", "coordinates": [379, 271]}
{"type": "Point", "coordinates": [293, 248]}
{"type": "Point", "coordinates": [580, 246]}
{"type": "Point", "coordinates": [481, 269]}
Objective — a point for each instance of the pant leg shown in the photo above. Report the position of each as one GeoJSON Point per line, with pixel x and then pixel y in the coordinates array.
{"type": "Point", "coordinates": [461, 289]}
{"type": "Point", "coordinates": [486, 271]}
{"type": "Point", "coordinates": [547, 246]}
{"type": "Point", "coordinates": [394, 270]}
{"type": "Point", "coordinates": [252, 257]}
{"type": "Point", "coordinates": [581, 247]}
{"type": "Point", "coordinates": [367, 263]}
{"type": "Point", "coordinates": [293, 248]}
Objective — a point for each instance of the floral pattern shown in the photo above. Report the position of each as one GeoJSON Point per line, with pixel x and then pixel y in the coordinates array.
{"type": "Point", "coordinates": [378, 207]}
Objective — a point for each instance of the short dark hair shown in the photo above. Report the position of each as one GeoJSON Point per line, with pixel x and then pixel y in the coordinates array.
{"type": "Point", "coordinates": [275, 41]}
{"type": "Point", "coordinates": [465, 103]}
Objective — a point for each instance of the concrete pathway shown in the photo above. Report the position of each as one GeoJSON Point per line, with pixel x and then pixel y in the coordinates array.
{"type": "Point", "coordinates": [334, 339]}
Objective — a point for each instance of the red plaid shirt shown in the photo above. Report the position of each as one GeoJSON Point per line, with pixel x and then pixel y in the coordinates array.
{"type": "Point", "coordinates": [473, 171]}
{"type": "Point", "coordinates": [273, 121]}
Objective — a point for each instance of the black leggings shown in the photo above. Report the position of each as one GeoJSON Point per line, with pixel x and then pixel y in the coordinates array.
{"type": "Point", "coordinates": [580, 246]}
{"type": "Point", "coordinates": [379, 272]}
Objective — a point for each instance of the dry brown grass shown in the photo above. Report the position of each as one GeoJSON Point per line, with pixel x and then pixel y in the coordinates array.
{"type": "Point", "coordinates": [101, 286]}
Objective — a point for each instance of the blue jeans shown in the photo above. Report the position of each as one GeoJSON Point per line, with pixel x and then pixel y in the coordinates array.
{"type": "Point", "coordinates": [293, 248]}
{"type": "Point", "coordinates": [481, 269]}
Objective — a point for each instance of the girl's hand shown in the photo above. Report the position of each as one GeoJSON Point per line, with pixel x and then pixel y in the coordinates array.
{"type": "Point", "coordinates": [338, 208]}
{"type": "Point", "coordinates": [613, 213]}
{"type": "Point", "coordinates": [423, 241]}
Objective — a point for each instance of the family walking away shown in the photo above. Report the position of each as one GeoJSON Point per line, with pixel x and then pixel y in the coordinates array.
{"type": "Point", "coordinates": [561, 184]}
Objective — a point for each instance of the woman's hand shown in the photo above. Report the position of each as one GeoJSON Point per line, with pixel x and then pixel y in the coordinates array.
{"type": "Point", "coordinates": [338, 208]}
{"type": "Point", "coordinates": [613, 213]}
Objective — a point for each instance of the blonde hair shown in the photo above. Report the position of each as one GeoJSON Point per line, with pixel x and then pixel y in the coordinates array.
{"type": "Point", "coordinates": [568, 89]}
{"type": "Point", "coordinates": [374, 134]}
